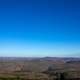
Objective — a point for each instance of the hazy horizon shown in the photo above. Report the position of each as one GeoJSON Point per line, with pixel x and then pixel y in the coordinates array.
{"type": "Point", "coordinates": [40, 28]}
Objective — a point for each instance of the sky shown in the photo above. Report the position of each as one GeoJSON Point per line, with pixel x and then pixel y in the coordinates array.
{"type": "Point", "coordinates": [40, 28]}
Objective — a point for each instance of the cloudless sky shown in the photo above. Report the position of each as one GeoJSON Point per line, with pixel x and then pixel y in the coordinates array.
{"type": "Point", "coordinates": [38, 28]}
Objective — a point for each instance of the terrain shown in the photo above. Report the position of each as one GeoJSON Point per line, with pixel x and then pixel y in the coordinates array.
{"type": "Point", "coordinates": [46, 68]}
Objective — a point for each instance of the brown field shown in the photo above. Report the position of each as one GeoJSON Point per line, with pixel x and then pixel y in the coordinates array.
{"type": "Point", "coordinates": [40, 69]}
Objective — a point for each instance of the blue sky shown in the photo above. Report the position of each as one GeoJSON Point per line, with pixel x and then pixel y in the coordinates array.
{"type": "Point", "coordinates": [37, 28]}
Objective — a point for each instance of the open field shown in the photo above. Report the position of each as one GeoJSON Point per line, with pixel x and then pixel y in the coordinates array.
{"type": "Point", "coordinates": [40, 68]}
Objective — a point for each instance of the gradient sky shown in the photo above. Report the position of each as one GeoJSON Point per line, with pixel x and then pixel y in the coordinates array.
{"type": "Point", "coordinates": [38, 28]}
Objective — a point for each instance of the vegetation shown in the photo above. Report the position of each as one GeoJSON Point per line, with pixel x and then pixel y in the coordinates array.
{"type": "Point", "coordinates": [42, 69]}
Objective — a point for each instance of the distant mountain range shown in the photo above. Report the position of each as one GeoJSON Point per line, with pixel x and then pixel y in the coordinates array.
{"type": "Point", "coordinates": [66, 59]}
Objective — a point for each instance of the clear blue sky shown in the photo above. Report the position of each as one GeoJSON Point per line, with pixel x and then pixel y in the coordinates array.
{"type": "Point", "coordinates": [37, 28]}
